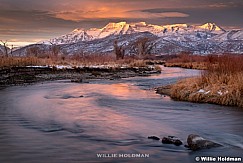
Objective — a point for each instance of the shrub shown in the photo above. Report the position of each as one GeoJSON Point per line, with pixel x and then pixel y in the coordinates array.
{"type": "Point", "coordinates": [223, 82]}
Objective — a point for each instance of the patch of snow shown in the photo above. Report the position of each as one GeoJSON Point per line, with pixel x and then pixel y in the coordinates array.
{"type": "Point", "coordinates": [207, 92]}
{"type": "Point", "coordinates": [38, 66]}
{"type": "Point", "coordinates": [63, 66]}
{"type": "Point", "coordinates": [220, 92]}
{"type": "Point", "coordinates": [201, 91]}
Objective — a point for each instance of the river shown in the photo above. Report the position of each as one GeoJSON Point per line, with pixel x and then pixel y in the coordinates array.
{"type": "Point", "coordinates": [60, 121]}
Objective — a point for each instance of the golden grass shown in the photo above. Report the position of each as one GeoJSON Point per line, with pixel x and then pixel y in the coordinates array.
{"type": "Point", "coordinates": [157, 68]}
{"type": "Point", "coordinates": [221, 83]}
{"type": "Point", "coordinates": [22, 61]}
{"type": "Point", "coordinates": [189, 61]}
{"type": "Point", "coordinates": [137, 63]}
{"type": "Point", "coordinates": [93, 59]}
{"type": "Point", "coordinates": [191, 65]}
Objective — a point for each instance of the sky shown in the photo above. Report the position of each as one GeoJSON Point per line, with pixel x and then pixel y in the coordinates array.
{"type": "Point", "coordinates": [28, 21]}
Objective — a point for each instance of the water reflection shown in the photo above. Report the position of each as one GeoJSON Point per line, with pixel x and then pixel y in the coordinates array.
{"type": "Point", "coordinates": [68, 122]}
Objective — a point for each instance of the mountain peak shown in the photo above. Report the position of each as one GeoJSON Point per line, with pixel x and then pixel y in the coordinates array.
{"type": "Point", "coordinates": [121, 28]}
{"type": "Point", "coordinates": [115, 25]}
{"type": "Point", "coordinates": [141, 24]}
{"type": "Point", "coordinates": [211, 27]}
{"type": "Point", "coordinates": [78, 30]}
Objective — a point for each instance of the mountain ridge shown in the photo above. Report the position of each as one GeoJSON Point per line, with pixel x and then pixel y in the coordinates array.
{"type": "Point", "coordinates": [202, 39]}
{"type": "Point", "coordinates": [80, 34]}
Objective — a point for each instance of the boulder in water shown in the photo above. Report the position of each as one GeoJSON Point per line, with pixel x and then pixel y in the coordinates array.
{"type": "Point", "coordinates": [77, 80]}
{"type": "Point", "coordinates": [196, 142]}
{"type": "Point", "coordinates": [172, 140]}
{"type": "Point", "coordinates": [154, 137]}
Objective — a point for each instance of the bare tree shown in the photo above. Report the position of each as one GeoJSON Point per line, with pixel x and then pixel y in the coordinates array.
{"type": "Point", "coordinates": [54, 49]}
{"type": "Point", "coordinates": [11, 50]}
{"type": "Point", "coordinates": [142, 47]}
{"type": "Point", "coordinates": [5, 47]}
{"type": "Point", "coordinates": [33, 51]}
{"type": "Point", "coordinates": [78, 55]}
{"type": "Point", "coordinates": [119, 50]}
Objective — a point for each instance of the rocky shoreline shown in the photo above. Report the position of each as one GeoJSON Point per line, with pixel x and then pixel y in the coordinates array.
{"type": "Point", "coordinates": [27, 75]}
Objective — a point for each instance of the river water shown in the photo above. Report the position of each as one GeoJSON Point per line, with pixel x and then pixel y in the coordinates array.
{"type": "Point", "coordinates": [60, 121]}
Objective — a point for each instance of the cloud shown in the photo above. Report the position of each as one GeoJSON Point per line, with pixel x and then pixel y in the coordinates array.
{"type": "Point", "coordinates": [217, 5]}
{"type": "Point", "coordinates": [8, 20]}
{"type": "Point", "coordinates": [81, 15]}
{"type": "Point", "coordinates": [149, 15]}
{"type": "Point", "coordinates": [26, 19]}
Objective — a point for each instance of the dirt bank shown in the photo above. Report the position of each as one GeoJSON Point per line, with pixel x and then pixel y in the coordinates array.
{"type": "Point", "coordinates": [21, 75]}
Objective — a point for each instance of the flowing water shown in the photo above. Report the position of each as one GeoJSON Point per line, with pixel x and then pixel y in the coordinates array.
{"type": "Point", "coordinates": [60, 121]}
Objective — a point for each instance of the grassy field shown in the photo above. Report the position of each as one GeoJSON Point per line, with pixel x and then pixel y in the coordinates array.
{"type": "Point", "coordinates": [221, 82]}
{"type": "Point", "coordinates": [190, 61]}
{"type": "Point", "coordinates": [42, 61]}
{"type": "Point", "coordinates": [91, 60]}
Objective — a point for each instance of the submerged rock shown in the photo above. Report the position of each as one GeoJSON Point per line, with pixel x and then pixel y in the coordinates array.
{"type": "Point", "coordinates": [171, 140]}
{"type": "Point", "coordinates": [196, 142]}
{"type": "Point", "coordinates": [77, 80]}
{"type": "Point", "coordinates": [154, 137]}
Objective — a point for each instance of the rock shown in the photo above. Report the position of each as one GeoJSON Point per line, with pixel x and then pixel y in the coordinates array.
{"type": "Point", "coordinates": [171, 140]}
{"type": "Point", "coordinates": [77, 80]}
{"type": "Point", "coordinates": [115, 77]}
{"type": "Point", "coordinates": [196, 142]}
{"type": "Point", "coordinates": [81, 96]}
{"type": "Point", "coordinates": [154, 137]}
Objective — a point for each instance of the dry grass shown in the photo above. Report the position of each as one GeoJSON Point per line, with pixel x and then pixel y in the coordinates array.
{"type": "Point", "coordinates": [221, 83]}
{"type": "Point", "coordinates": [92, 59]}
{"type": "Point", "coordinates": [22, 61]}
{"type": "Point", "coordinates": [186, 60]}
{"type": "Point", "coordinates": [137, 63]}
{"type": "Point", "coordinates": [192, 65]}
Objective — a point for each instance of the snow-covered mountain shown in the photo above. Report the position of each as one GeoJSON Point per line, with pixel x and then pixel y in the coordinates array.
{"type": "Point", "coordinates": [40, 50]}
{"type": "Point", "coordinates": [168, 39]}
{"type": "Point", "coordinates": [230, 35]}
{"type": "Point", "coordinates": [121, 28]}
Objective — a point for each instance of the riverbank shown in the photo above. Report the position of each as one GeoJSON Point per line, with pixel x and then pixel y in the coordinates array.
{"type": "Point", "coordinates": [191, 65]}
{"type": "Point", "coordinates": [31, 74]}
{"type": "Point", "coordinates": [191, 90]}
{"type": "Point", "coordinates": [220, 84]}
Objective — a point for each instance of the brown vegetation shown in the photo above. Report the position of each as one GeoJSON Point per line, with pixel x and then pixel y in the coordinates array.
{"type": "Point", "coordinates": [21, 61]}
{"type": "Point", "coordinates": [221, 83]}
{"type": "Point", "coordinates": [74, 60]}
{"type": "Point", "coordinates": [119, 50]}
{"type": "Point", "coordinates": [142, 48]}
{"type": "Point", "coordinates": [187, 60]}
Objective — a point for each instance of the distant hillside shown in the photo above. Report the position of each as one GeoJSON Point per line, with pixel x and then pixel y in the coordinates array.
{"type": "Point", "coordinates": [168, 39]}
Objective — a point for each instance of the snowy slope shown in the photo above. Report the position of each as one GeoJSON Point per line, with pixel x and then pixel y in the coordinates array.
{"type": "Point", "coordinates": [122, 28]}
{"type": "Point", "coordinates": [212, 27]}
{"type": "Point", "coordinates": [230, 35]}
{"type": "Point", "coordinates": [34, 49]}
{"type": "Point", "coordinates": [169, 39]}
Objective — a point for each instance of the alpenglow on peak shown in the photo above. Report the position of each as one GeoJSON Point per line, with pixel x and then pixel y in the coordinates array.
{"type": "Point", "coordinates": [121, 28]}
